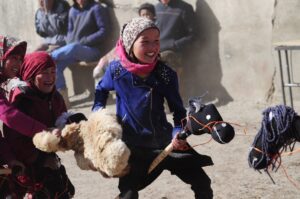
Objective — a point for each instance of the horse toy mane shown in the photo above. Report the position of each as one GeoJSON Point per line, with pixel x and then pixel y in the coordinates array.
{"type": "Point", "coordinates": [280, 130]}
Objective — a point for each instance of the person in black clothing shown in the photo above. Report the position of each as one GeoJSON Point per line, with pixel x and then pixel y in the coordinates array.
{"type": "Point", "coordinates": [175, 20]}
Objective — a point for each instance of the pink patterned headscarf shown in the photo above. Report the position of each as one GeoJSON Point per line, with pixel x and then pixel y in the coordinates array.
{"type": "Point", "coordinates": [129, 34]}
{"type": "Point", "coordinates": [133, 29]}
{"type": "Point", "coordinates": [135, 68]}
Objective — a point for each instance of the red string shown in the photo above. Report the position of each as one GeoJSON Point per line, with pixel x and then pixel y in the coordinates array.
{"type": "Point", "coordinates": [208, 126]}
{"type": "Point", "coordinates": [292, 181]}
{"type": "Point", "coordinates": [276, 161]}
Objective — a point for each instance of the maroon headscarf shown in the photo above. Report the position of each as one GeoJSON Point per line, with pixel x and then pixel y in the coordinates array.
{"type": "Point", "coordinates": [34, 63]}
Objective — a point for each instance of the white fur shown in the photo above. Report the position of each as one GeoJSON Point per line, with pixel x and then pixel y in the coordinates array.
{"type": "Point", "coordinates": [46, 141]}
{"type": "Point", "coordinates": [97, 144]}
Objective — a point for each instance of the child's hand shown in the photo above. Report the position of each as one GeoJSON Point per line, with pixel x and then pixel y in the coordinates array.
{"type": "Point", "coordinates": [179, 144]}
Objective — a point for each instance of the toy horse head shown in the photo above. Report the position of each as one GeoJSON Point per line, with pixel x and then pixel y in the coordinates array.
{"type": "Point", "coordinates": [280, 128]}
{"type": "Point", "coordinates": [207, 119]}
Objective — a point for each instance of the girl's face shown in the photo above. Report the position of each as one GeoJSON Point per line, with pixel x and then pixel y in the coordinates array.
{"type": "Point", "coordinates": [12, 66]}
{"type": "Point", "coordinates": [45, 80]}
{"type": "Point", "coordinates": [147, 46]}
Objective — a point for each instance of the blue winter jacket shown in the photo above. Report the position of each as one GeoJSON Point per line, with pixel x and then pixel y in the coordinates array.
{"type": "Point", "coordinates": [140, 103]}
{"type": "Point", "coordinates": [88, 26]}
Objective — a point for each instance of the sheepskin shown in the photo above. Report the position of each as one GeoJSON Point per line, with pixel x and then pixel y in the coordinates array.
{"type": "Point", "coordinates": [96, 143]}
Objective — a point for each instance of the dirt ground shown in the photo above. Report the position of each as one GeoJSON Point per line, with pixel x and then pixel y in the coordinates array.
{"type": "Point", "coordinates": [231, 176]}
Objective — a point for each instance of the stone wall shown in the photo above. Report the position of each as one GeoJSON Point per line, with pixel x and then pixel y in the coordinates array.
{"type": "Point", "coordinates": [232, 58]}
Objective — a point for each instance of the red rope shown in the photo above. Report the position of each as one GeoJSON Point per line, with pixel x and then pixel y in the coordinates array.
{"type": "Point", "coordinates": [292, 181]}
{"type": "Point", "coordinates": [277, 160]}
{"type": "Point", "coordinates": [204, 126]}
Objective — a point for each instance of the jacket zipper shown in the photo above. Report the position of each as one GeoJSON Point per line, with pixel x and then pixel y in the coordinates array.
{"type": "Point", "coordinates": [50, 105]}
{"type": "Point", "coordinates": [150, 116]}
{"type": "Point", "coordinates": [50, 110]}
{"type": "Point", "coordinates": [150, 90]}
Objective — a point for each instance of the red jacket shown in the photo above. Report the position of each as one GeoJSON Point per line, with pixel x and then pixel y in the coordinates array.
{"type": "Point", "coordinates": [10, 115]}
{"type": "Point", "coordinates": [44, 108]}
{"type": "Point", "coordinates": [15, 119]}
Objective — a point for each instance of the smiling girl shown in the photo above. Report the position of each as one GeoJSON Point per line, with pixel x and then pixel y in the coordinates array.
{"type": "Point", "coordinates": [142, 83]}
{"type": "Point", "coordinates": [12, 52]}
{"type": "Point", "coordinates": [41, 101]}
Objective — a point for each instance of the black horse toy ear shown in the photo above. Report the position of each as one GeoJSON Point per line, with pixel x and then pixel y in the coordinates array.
{"type": "Point", "coordinates": [207, 119]}
{"type": "Point", "coordinates": [76, 117]}
{"type": "Point", "coordinates": [200, 122]}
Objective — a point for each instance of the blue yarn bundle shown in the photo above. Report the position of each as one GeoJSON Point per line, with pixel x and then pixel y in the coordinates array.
{"type": "Point", "coordinates": [275, 135]}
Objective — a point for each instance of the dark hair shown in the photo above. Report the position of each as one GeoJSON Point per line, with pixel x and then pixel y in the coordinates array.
{"type": "Point", "coordinates": [76, 5]}
{"type": "Point", "coordinates": [147, 6]}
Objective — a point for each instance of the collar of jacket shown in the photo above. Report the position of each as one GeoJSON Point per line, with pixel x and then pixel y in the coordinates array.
{"type": "Point", "coordinates": [87, 6]}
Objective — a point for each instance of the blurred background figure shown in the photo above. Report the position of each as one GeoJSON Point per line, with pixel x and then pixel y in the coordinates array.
{"type": "Point", "coordinates": [51, 23]}
{"type": "Point", "coordinates": [175, 20]}
{"type": "Point", "coordinates": [147, 10]}
{"type": "Point", "coordinates": [87, 31]}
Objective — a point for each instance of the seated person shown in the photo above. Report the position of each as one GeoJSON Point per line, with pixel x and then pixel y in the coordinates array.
{"type": "Point", "coordinates": [51, 23]}
{"type": "Point", "coordinates": [87, 30]}
{"type": "Point", "coordinates": [42, 102]}
{"type": "Point", "coordinates": [175, 20]}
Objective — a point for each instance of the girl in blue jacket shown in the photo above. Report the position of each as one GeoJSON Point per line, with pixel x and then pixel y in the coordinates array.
{"type": "Point", "coordinates": [142, 84]}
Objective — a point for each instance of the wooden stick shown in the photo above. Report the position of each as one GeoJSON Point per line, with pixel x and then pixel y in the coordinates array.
{"type": "Point", "coordinates": [5, 171]}
{"type": "Point", "coordinates": [160, 157]}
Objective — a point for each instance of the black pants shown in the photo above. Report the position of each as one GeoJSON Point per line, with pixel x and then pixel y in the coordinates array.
{"type": "Point", "coordinates": [55, 182]}
{"type": "Point", "coordinates": [184, 165]}
{"type": "Point", "coordinates": [42, 182]}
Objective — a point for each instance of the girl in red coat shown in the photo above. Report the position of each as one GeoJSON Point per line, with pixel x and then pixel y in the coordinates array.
{"type": "Point", "coordinates": [12, 52]}
{"type": "Point", "coordinates": [41, 101]}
